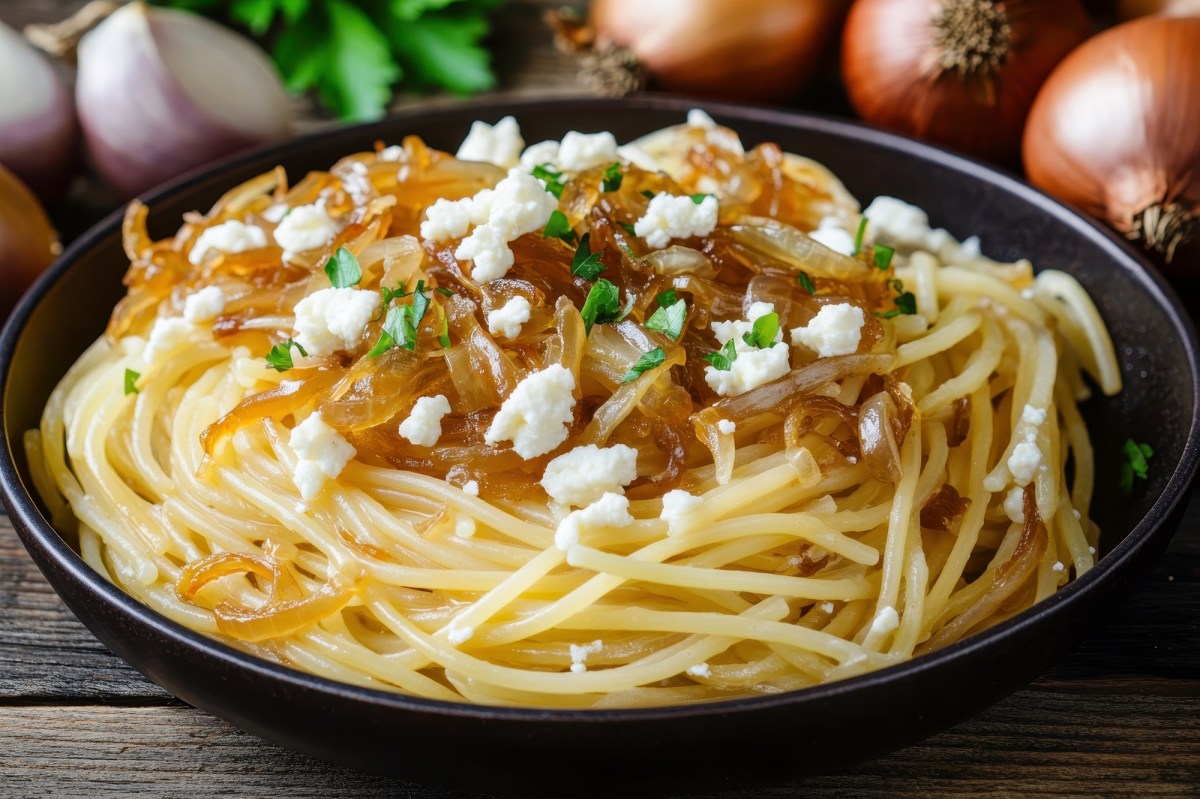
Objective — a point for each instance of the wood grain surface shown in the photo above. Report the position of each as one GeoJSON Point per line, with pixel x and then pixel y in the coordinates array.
{"type": "Point", "coordinates": [1118, 718]}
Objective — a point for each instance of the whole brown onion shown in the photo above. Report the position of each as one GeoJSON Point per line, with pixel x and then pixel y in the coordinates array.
{"type": "Point", "coordinates": [27, 242]}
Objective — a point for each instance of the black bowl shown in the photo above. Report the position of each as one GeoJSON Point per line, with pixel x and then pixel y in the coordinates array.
{"type": "Point", "coordinates": [533, 751]}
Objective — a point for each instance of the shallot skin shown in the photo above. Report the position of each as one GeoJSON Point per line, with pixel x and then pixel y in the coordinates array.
{"type": "Point", "coordinates": [141, 124]}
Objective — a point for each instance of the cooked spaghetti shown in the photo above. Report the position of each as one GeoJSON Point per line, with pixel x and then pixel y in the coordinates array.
{"type": "Point", "coordinates": [578, 425]}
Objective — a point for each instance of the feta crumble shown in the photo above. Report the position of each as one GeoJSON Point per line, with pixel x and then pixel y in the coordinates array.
{"type": "Point", "coordinates": [321, 453]}
{"type": "Point", "coordinates": [580, 151]}
{"type": "Point", "coordinates": [228, 237]}
{"type": "Point", "coordinates": [727, 427]}
{"type": "Point", "coordinates": [885, 621]}
{"type": "Point", "coordinates": [423, 426]}
{"type": "Point", "coordinates": [579, 654]}
{"type": "Point", "coordinates": [459, 633]}
{"type": "Point", "coordinates": [464, 527]}
{"type": "Point", "coordinates": [536, 415]}
{"type": "Point", "coordinates": [676, 505]}
{"type": "Point", "coordinates": [831, 233]}
{"type": "Point", "coordinates": [586, 473]}
{"type": "Point", "coordinates": [835, 330]}
{"type": "Point", "coordinates": [1024, 461]}
{"type": "Point", "coordinates": [1058, 567]}
{"type": "Point", "coordinates": [674, 217]}
{"type": "Point", "coordinates": [518, 205]}
{"type": "Point", "coordinates": [507, 319]}
{"type": "Point", "coordinates": [167, 335]}
{"type": "Point", "coordinates": [1014, 505]}
{"type": "Point", "coordinates": [1035, 417]}
{"type": "Point", "coordinates": [753, 367]}
{"type": "Point", "coordinates": [471, 487]}
{"type": "Point", "coordinates": [498, 144]}
{"type": "Point", "coordinates": [205, 305]}
{"type": "Point", "coordinates": [306, 228]}
{"type": "Point", "coordinates": [544, 152]}
{"type": "Point", "coordinates": [452, 219]}
{"type": "Point", "coordinates": [611, 510]}
{"type": "Point", "coordinates": [701, 670]}
{"type": "Point", "coordinates": [334, 319]}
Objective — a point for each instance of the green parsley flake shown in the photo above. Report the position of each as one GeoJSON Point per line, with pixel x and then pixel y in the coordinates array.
{"type": "Point", "coordinates": [445, 292]}
{"type": "Point", "coordinates": [649, 195]}
{"type": "Point", "coordinates": [883, 256]}
{"type": "Point", "coordinates": [858, 237]}
{"type": "Point", "coordinates": [558, 227]}
{"type": "Point", "coordinates": [806, 283]}
{"type": "Point", "coordinates": [131, 378]}
{"type": "Point", "coordinates": [722, 360]}
{"type": "Point", "coordinates": [699, 199]}
{"type": "Point", "coordinates": [280, 356]}
{"type": "Point", "coordinates": [763, 331]}
{"type": "Point", "coordinates": [654, 358]}
{"type": "Point", "coordinates": [668, 319]}
{"type": "Point", "coordinates": [554, 180]}
{"type": "Point", "coordinates": [666, 298]}
{"type": "Point", "coordinates": [1136, 464]}
{"type": "Point", "coordinates": [612, 177]}
{"type": "Point", "coordinates": [603, 304]}
{"type": "Point", "coordinates": [628, 228]}
{"type": "Point", "coordinates": [343, 269]}
{"type": "Point", "coordinates": [586, 264]}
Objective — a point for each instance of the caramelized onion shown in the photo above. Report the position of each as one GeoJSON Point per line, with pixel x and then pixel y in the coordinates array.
{"type": "Point", "coordinates": [881, 451]}
{"type": "Point", "coordinates": [944, 510]}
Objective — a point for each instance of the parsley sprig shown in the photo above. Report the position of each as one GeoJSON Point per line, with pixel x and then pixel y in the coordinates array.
{"type": "Point", "coordinates": [1136, 464]}
{"type": "Point", "coordinates": [559, 227]}
{"type": "Point", "coordinates": [722, 360]}
{"type": "Point", "coordinates": [586, 264]}
{"type": "Point", "coordinates": [669, 316]}
{"type": "Point", "coordinates": [554, 180]}
{"type": "Point", "coordinates": [603, 305]}
{"type": "Point", "coordinates": [402, 322]}
{"type": "Point", "coordinates": [763, 331]}
{"type": "Point", "coordinates": [280, 356]}
{"type": "Point", "coordinates": [131, 378]}
{"type": "Point", "coordinates": [343, 269]}
{"type": "Point", "coordinates": [654, 358]}
{"type": "Point", "coordinates": [906, 301]}
{"type": "Point", "coordinates": [612, 177]}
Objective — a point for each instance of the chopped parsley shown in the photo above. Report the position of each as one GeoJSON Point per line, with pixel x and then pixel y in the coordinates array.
{"type": "Point", "coordinates": [700, 198]}
{"type": "Point", "coordinates": [858, 237]}
{"type": "Point", "coordinates": [445, 292]}
{"type": "Point", "coordinates": [280, 356]}
{"type": "Point", "coordinates": [389, 295]}
{"type": "Point", "coordinates": [343, 269]}
{"type": "Point", "coordinates": [763, 331]}
{"type": "Point", "coordinates": [586, 264]}
{"type": "Point", "coordinates": [131, 378]}
{"type": "Point", "coordinates": [806, 283]}
{"type": "Point", "coordinates": [666, 298]}
{"type": "Point", "coordinates": [612, 177]}
{"type": "Point", "coordinates": [722, 360]}
{"type": "Point", "coordinates": [1136, 464]}
{"type": "Point", "coordinates": [653, 358]}
{"type": "Point", "coordinates": [444, 336]}
{"type": "Point", "coordinates": [554, 180]}
{"type": "Point", "coordinates": [883, 256]}
{"type": "Point", "coordinates": [627, 227]}
{"type": "Point", "coordinates": [603, 304]}
{"type": "Point", "coordinates": [558, 227]}
{"type": "Point", "coordinates": [401, 324]}
{"type": "Point", "coordinates": [668, 319]}
{"type": "Point", "coordinates": [906, 301]}
{"type": "Point", "coordinates": [649, 195]}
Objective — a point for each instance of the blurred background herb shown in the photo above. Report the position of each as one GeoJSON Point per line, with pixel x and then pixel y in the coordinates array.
{"type": "Point", "coordinates": [355, 53]}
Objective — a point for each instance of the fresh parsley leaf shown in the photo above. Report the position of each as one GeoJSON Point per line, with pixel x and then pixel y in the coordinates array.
{"type": "Point", "coordinates": [700, 198]}
{"type": "Point", "coordinates": [558, 228]}
{"type": "Point", "coordinates": [722, 360]}
{"type": "Point", "coordinates": [649, 195]}
{"type": "Point", "coordinates": [653, 358]}
{"type": "Point", "coordinates": [444, 47]}
{"type": "Point", "coordinates": [883, 256]}
{"type": "Point", "coordinates": [280, 356]}
{"type": "Point", "coordinates": [586, 264]}
{"type": "Point", "coordinates": [388, 295]}
{"type": "Point", "coordinates": [668, 319]}
{"type": "Point", "coordinates": [906, 303]}
{"type": "Point", "coordinates": [806, 283]}
{"type": "Point", "coordinates": [554, 180]}
{"type": "Point", "coordinates": [343, 269]}
{"type": "Point", "coordinates": [1136, 463]}
{"type": "Point", "coordinates": [762, 332]}
{"type": "Point", "coordinates": [444, 336]}
{"type": "Point", "coordinates": [445, 292]}
{"type": "Point", "coordinates": [398, 331]}
{"type": "Point", "coordinates": [628, 228]}
{"type": "Point", "coordinates": [612, 177]}
{"type": "Point", "coordinates": [603, 304]}
{"type": "Point", "coordinates": [666, 298]}
{"type": "Point", "coordinates": [420, 304]}
{"type": "Point", "coordinates": [858, 237]}
{"type": "Point", "coordinates": [131, 378]}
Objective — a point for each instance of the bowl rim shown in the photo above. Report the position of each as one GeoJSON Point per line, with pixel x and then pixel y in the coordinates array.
{"type": "Point", "coordinates": [37, 531]}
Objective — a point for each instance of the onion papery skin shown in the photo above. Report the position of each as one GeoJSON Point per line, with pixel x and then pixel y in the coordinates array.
{"type": "Point", "coordinates": [1116, 131]}
{"type": "Point", "coordinates": [895, 80]}
{"type": "Point", "coordinates": [141, 125]}
{"type": "Point", "coordinates": [762, 50]}
{"type": "Point", "coordinates": [27, 242]}
{"type": "Point", "coordinates": [38, 147]}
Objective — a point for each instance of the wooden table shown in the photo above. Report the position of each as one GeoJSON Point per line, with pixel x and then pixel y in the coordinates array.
{"type": "Point", "coordinates": [1120, 717]}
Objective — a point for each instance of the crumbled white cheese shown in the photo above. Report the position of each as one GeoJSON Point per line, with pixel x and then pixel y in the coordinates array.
{"type": "Point", "coordinates": [471, 487]}
{"type": "Point", "coordinates": [1032, 416]}
{"type": "Point", "coordinates": [1092, 550]}
{"type": "Point", "coordinates": [885, 621]}
{"type": "Point", "coordinates": [535, 415]}
{"type": "Point", "coordinates": [459, 633]}
{"type": "Point", "coordinates": [451, 219]}
{"type": "Point", "coordinates": [204, 305]}
{"type": "Point", "coordinates": [1014, 505]}
{"type": "Point", "coordinates": [321, 452]}
{"type": "Point", "coordinates": [423, 426]}
{"type": "Point", "coordinates": [676, 217]}
{"type": "Point", "coordinates": [676, 505]}
{"type": "Point", "coordinates": [580, 151]}
{"type": "Point", "coordinates": [167, 335]}
{"type": "Point", "coordinates": [1028, 293]}
{"type": "Point", "coordinates": [519, 204]}
{"type": "Point", "coordinates": [228, 237]}
{"type": "Point", "coordinates": [1024, 461]}
{"type": "Point", "coordinates": [1058, 567]}
{"type": "Point", "coordinates": [498, 144]}
{"type": "Point", "coordinates": [701, 670]}
{"type": "Point", "coordinates": [835, 330]}
{"type": "Point", "coordinates": [826, 607]}
{"type": "Point", "coordinates": [1077, 514]}
{"type": "Point", "coordinates": [464, 527]}
{"type": "Point", "coordinates": [579, 654]}
{"type": "Point", "coordinates": [586, 473]}
{"type": "Point", "coordinates": [752, 367]}
{"type": "Point", "coordinates": [507, 319]}
{"type": "Point", "coordinates": [611, 510]}
{"type": "Point", "coordinates": [306, 228]}
{"type": "Point", "coordinates": [901, 224]}
{"type": "Point", "coordinates": [540, 154]}
{"type": "Point", "coordinates": [831, 233]}
{"type": "Point", "coordinates": [699, 118]}
{"type": "Point", "coordinates": [727, 427]}
{"type": "Point", "coordinates": [334, 319]}
{"type": "Point", "coordinates": [275, 213]}
{"type": "Point", "coordinates": [392, 153]}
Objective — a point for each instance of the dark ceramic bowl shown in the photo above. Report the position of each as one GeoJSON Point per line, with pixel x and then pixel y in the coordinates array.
{"type": "Point", "coordinates": [672, 748]}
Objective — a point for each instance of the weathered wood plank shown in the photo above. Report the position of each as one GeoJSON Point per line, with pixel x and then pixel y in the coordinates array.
{"type": "Point", "coordinates": [1047, 743]}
